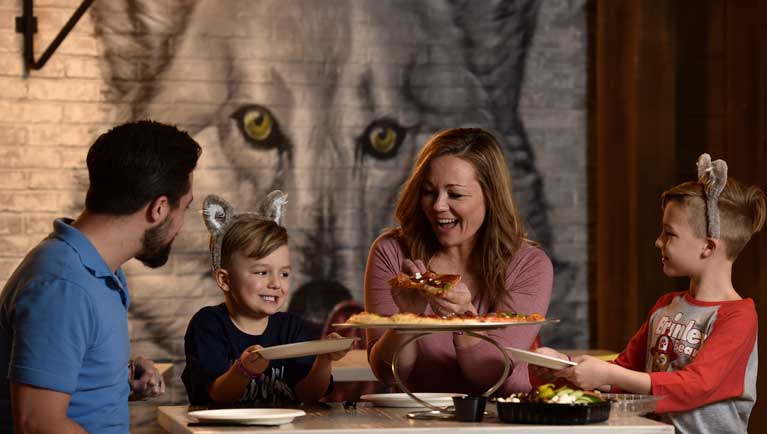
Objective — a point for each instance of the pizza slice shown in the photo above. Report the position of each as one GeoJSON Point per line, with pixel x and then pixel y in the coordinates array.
{"type": "Point", "coordinates": [429, 282]}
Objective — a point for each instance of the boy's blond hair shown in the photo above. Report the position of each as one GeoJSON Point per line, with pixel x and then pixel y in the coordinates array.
{"type": "Point", "coordinates": [741, 211]}
{"type": "Point", "coordinates": [253, 235]}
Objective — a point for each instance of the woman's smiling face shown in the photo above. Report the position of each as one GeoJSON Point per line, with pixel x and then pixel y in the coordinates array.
{"type": "Point", "coordinates": [452, 200]}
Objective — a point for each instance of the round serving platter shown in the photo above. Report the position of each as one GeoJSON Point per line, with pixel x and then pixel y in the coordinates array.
{"type": "Point", "coordinates": [416, 327]}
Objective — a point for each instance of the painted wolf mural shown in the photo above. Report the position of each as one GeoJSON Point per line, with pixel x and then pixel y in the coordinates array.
{"type": "Point", "coordinates": [329, 101]}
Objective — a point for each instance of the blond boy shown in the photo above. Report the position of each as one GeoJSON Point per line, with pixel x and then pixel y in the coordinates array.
{"type": "Point", "coordinates": [698, 348]}
{"type": "Point", "coordinates": [251, 262]}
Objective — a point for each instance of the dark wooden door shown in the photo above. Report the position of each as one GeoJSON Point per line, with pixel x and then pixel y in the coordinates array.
{"type": "Point", "coordinates": [668, 81]}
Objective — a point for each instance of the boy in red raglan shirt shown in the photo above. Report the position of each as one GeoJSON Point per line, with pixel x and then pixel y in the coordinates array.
{"type": "Point", "coordinates": [697, 348]}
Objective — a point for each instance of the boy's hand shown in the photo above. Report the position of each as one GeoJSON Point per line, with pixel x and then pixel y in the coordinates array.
{"type": "Point", "coordinates": [551, 352]}
{"type": "Point", "coordinates": [591, 373]}
{"type": "Point", "coordinates": [145, 380]}
{"type": "Point", "coordinates": [410, 300]}
{"type": "Point", "coordinates": [253, 361]}
{"type": "Point", "coordinates": [338, 354]}
{"type": "Point", "coordinates": [546, 373]}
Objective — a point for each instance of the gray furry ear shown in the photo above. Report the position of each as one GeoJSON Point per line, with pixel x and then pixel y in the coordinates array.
{"type": "Point", "coordinates": [713, 176]}
{"type": "Point", "coordinates": [273, 206]}
{"type": "Point", "coordinates": [217, 214]}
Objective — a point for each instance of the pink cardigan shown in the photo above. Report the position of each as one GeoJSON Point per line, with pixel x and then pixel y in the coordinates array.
{"type": "Point", "coordinates": [439, 367]}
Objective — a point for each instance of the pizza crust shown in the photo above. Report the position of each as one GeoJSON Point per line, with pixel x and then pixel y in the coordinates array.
{"type": "Point", "coordinates": [369, 318]}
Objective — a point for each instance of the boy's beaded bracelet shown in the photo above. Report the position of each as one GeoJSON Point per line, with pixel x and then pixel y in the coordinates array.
{"type": "Point", "coordinates": [244, 371]}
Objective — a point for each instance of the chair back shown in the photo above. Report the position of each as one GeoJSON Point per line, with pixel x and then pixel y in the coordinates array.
{"type": "Point", "coordinates": [339, 314]}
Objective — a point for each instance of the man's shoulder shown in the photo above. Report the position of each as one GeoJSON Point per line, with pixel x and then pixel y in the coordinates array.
{"type": "Point", "coordinates": [53, 257]}
{"type": "Point", "coordinates": [50, 266]}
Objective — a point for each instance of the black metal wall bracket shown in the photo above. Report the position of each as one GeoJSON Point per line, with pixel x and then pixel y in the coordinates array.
{"type": "Point", "coordinates": [27, 24]}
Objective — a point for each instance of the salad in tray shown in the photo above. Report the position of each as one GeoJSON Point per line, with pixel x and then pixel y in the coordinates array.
{"type": "Point", "coordinates": [547, 394]}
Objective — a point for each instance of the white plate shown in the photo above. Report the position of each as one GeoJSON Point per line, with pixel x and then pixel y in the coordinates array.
{"type": "Point", "coordinates": [444, 327]}
{"type": "Point", "coordinates": [308, 348]}
{"type": "Point", "coordinates": [540, 359]}
{"type": "Point", "coordinates": [403, 400]}
{"type": "Point", "coordinates": [248, 416]}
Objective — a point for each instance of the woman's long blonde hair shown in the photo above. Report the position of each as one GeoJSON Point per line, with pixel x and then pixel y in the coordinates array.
{"type": "Point", "coordinates": [502, 232]}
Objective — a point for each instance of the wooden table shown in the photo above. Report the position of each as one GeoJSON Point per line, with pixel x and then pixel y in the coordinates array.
{"type": "Point", "coordinates": [368, 419]}
{"type": "Point", "coordinates": [353, 367]}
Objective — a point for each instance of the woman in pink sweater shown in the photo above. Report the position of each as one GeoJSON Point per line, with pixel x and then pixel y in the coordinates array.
{"type": "Point", "coordinates": [457, 216]}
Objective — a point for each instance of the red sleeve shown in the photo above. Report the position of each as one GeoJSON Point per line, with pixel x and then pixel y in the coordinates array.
{"type": "Point", "coordinates": [634, 356]}
{"type": "Point", "coordinates": [718, 371]}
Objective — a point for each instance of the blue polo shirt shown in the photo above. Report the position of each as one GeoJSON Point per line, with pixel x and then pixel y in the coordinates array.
{"type": "Point", "coordinates": [64, 327]}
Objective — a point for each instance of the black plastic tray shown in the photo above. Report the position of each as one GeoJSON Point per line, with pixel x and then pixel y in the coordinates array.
{"type": "Point", "coordinates": [553, 414]}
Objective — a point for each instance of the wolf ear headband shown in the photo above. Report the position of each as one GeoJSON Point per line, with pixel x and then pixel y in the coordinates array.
{"type": "Point", "coordinates": [713, 176]}
{"type": "Point", "coordinates": [219, 216]}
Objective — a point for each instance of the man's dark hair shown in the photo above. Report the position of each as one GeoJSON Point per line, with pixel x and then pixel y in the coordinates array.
{"type": "Point", "coordinates": [134, 163]}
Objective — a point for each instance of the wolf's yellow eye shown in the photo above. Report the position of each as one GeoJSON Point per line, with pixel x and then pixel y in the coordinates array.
{"type": "Point", "coordinates": [257, 124]}
{"type": "Point", "coordinates": [383, 139]}
{"type": "Point", "coordinates": [260, 128]}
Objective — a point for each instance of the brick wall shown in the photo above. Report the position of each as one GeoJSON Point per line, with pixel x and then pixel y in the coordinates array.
{"type": "Point", "coordinates": [50, 118]}
{"type": "Point", "coordinates": [553, 107]}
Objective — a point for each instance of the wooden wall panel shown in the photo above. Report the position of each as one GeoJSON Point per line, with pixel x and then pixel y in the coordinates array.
{"type": "Point", "coordinates": [746, 149]}
{"type": "Point", "coordinates": [633, 122]}
{"type": "Point", "coordinates": [668, 81]}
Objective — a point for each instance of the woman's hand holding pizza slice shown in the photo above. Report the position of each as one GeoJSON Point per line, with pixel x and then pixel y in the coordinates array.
{"type": "Point", "coordinates": [445, 293]}
{"type": "Point", "coordinates": [456, 300]}
{"type": "Point", "coordinates": [404, 297]}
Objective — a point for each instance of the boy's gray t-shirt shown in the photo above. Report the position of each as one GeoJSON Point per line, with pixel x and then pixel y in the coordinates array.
{"type": "Point", "coordinates": [702, 357]}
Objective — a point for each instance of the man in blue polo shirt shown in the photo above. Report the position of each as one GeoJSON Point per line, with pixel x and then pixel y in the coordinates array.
{"type": "Point", "coordinates": [64, 340]}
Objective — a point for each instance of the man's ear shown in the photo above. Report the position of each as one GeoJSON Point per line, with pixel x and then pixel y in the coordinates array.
{"type": "Point", "coordinates": [712, 246]}
{"type": "Point", "coordinates": [157, 210]}
{"type": "Point", "coordinates": [222, 279]}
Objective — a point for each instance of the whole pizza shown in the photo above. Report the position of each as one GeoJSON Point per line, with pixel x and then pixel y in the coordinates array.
{"type": "Point", "coordinates": [369, 318]}
{"type": "Point", "coordinates": [436, 284]}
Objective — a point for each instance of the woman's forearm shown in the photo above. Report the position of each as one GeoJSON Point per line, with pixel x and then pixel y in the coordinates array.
{"type": "Point", "coordinates": [463, 341]}
{"type": "Point", "coordinates": [383, 351]}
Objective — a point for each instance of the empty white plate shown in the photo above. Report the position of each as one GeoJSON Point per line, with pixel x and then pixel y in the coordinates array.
{"type": "Point", "coordinates": [248, 416]}
{"type": "Point", "coordinates": [540, 359]}
{"type": "Point", "coordinates": [403, 400]}
{"type": "Point", "coordinates": [308, 348]}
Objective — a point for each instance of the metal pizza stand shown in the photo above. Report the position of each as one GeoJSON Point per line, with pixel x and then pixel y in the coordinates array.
{"type": "Point", "coordinates": [422, 330]}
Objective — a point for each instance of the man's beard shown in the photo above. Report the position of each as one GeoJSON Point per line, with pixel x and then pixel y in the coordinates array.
{"type": "Point", "coordinates": [154, 250]}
